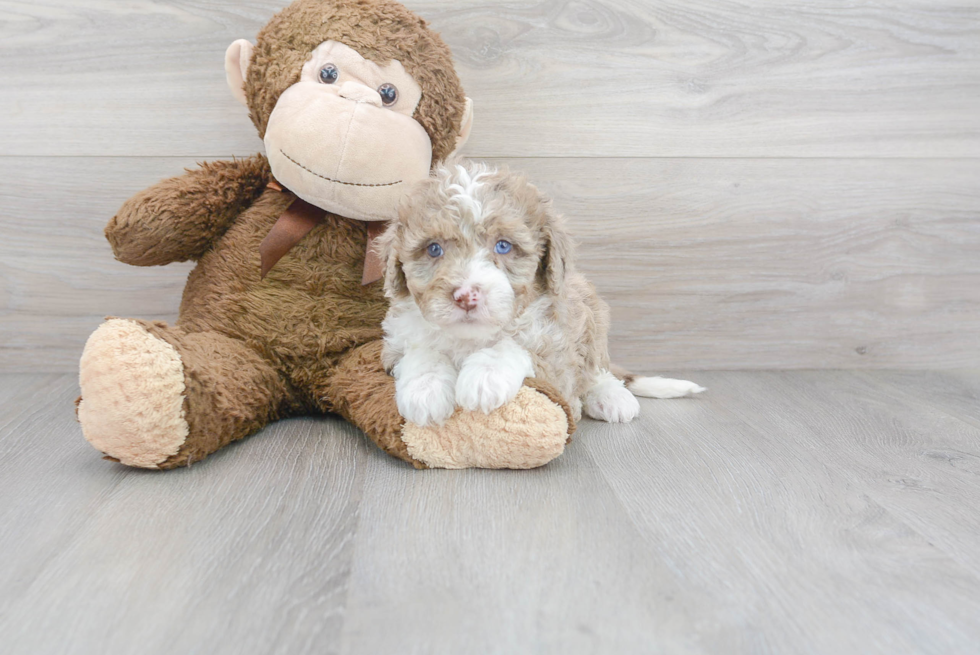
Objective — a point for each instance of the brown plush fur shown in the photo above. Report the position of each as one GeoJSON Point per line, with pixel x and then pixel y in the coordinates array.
{"type": "Point", "coordinates": [177, 219]}
{"type": "Point", "coordinates": [257, 350]}
{"type": "Point", "coordinates": [306, 339]}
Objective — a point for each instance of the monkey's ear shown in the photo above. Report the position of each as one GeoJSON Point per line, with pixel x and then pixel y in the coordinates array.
{"type": "Point", "coordinates": [237, 57]}
{"type": "Point", "coordinates": [465, 126]}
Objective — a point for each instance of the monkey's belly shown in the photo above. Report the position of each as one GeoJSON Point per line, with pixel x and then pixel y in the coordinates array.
{"type": "Point", "coordinates": [296, 326]}
{"type": "Point", "coordinates": [302, 313]}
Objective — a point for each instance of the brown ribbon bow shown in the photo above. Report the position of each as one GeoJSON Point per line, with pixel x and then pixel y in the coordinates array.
{"type": "Point", "coordinates": [297, 221]}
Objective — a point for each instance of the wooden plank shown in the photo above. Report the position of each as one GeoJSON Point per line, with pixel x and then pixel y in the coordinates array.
{"type": "Point", "coordinates": [604, 78]}
{"type": "Point", "coordinates": [805, 560]}
{"type": "Point", "coordinates": [51, 481]}
{"type": "Point", "coordinates": [706, 263]}
{"type": "Point", "coordinates": [542, 561]}
{"type": "Point", "coordinates": [955, 392]}
{"type": "Point", "coordinates": [917, 462]}
{"type": "Point", "coordinates": [779, 263]}
{"type": "Point", "coordinates": [256, 541]}
{"type": "Point", "coordinates": [18, 393]}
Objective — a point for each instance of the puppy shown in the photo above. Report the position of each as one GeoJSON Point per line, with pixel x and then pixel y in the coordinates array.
{"type": "Point", "coordinates": [484, 294]}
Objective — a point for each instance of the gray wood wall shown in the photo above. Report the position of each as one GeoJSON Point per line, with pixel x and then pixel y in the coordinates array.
{"type": "Point", "coordinates": [753, 184]}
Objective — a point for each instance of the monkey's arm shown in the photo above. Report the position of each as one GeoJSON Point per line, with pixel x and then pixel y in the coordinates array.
{"type": "Point", "coordinates": [176, 219]}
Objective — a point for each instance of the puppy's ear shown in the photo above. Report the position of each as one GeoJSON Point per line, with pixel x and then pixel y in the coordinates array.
{"type": "Point", "coordinates": [396, 286]}
{"type": "Point", "coordinates": [557, 251]}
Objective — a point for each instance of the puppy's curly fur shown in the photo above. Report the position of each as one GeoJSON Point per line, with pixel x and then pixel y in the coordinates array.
{"type": "Point", "coordinates": [484, 292]}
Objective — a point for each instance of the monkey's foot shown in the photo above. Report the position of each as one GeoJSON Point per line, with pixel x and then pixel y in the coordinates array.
{"type": "Point", "coordinates": [132, 405]}
{"type": "Point", "coordinates": [527, 432]}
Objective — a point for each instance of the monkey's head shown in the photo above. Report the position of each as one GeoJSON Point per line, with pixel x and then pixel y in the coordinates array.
{"type": "Point", "coordinates": [355, 100]}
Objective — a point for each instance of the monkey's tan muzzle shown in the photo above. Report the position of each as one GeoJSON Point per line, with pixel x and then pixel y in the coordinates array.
{"type": "Point", "coordinates": [348, 157]}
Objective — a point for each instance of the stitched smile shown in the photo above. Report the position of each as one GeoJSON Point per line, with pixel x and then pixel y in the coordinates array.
{"type": "Point", "coordinates": [330, 179]}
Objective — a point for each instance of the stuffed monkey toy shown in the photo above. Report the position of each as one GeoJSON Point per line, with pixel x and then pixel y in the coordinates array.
{"type": "Point", "coordinates": [354, 100]}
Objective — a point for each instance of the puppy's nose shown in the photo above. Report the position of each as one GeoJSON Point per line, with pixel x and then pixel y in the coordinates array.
{"type": "Point", "coordinates": [467, 298]}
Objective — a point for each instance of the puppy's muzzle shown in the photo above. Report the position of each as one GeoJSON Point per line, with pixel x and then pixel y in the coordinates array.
{"type": "Point", "coordinates": [468, 297]}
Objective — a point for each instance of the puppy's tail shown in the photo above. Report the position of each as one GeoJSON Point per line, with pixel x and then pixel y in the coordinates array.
{"type": "Point", "coordinates": [655, 387]}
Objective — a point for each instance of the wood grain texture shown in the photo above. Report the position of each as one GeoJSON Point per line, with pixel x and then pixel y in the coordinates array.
{"type": "Point", "coordinates": [955, 392]}
{"type": "Point", "coordinates": [706, 263]}
{"type": "Point", "coordinates": [706, 78]}
{"type": "Point", "coordinates": [754, 512]}
{"type": "Point", "coordinates": [913, 455]}
{"type": "Point", "coordinates": [540, 561]}
{"type": "Point", "coordinates": [802, 512]}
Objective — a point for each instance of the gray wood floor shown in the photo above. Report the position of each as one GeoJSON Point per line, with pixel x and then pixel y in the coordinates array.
{"type": "Point", "coordinates": [790, 512]}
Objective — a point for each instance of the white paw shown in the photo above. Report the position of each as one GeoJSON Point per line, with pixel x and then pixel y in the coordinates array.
{"type": "Point", "coordinates": [657, 387]}
{"type": "Point", "coordinates": [484, 384]}
{"type": "Point", "coordinates": [428, 398]}
{"type": "Point", "coordinates": [610, 401]}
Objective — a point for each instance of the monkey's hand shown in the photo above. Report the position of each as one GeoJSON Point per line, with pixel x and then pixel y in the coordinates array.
{"type": "Point", "coordinates": [176, 220]}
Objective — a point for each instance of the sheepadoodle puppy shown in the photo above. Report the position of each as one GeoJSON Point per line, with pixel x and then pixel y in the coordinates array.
{"type": "Point", "coordinates": [484, 293]}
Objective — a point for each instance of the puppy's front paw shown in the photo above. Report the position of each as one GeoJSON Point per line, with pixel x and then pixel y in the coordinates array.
{"type": "Point", "coordinates": [426, 399]}
{"type": "Point", "coordinates": [484, 384]}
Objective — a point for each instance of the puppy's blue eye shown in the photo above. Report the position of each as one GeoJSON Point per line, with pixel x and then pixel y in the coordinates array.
{"type": "Point", "coordinates": [502, 247]}
{"type": "Point", "coordinates": [434, 250]}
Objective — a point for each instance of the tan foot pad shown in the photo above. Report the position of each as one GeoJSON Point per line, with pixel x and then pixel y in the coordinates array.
{"type": "Point", "coordinates": [132, 406]}
{"type": "Point", "coordinates": [527, 432]}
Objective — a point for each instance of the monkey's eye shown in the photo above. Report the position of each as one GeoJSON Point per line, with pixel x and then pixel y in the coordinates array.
{"type": "Point", "coordinates": [388, 93]}
{"type": "Point", "coordinates": [502, 247]}
{"type": "Point", "coordinates": [329, 74]}
{"type": "Point", "coordinates": [434, 250]}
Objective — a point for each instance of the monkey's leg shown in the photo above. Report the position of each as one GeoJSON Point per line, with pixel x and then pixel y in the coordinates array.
{"type": "Point", "coordinates": [527, 432]}
{"type": "Point", "coordinates": [155, 396]}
